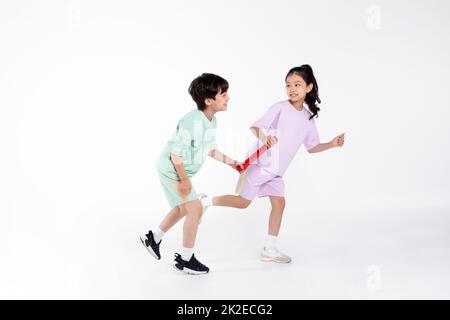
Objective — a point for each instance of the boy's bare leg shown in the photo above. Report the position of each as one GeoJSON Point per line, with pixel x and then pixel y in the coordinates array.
{"type": "Point", "coordinates": [193, 211]}
{"type": "Point", "coordinates": [231, 201]}
{"type": "Point", "coordinates": [186, 261]}
{"type": "Point", "coordinates": [171, 218]}
{"type": "Point", "coordinates": [276, 214]}
{"type": "Point", "coordinates": [152, 240]}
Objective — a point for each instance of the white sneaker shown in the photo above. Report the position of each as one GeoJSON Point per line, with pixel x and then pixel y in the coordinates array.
{"type": "Point", "coordinates": [273, 255]}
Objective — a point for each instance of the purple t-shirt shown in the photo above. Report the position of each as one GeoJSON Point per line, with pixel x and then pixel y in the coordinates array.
{"type": "Point", "coordinates": [292, 128]}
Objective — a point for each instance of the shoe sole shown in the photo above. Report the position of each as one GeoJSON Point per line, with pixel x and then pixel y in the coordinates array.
{"type": "Point", "coordinates": [189, 271]}
{"type": "Point", "coordinates": [149, 249]}
{"type": "Point", "coordinates": [269, 259]}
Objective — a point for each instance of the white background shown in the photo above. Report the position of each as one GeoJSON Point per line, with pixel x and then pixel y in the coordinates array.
{"type": "Point", "coordinates": [90, 91]}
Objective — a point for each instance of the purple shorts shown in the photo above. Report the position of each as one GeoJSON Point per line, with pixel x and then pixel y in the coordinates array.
{"type": "Point", "coordinates": [257, 181]}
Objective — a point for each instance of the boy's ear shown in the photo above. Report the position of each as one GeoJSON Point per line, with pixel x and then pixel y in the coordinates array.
{"type": "Point", "coordinates": [208, 101]}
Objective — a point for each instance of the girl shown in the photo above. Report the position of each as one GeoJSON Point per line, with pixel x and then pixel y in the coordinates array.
{"type": "Point", "coordinates": [284, 128]}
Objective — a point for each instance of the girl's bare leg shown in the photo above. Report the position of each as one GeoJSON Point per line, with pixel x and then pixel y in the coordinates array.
{"type": "Point", "coordinates": [276, 214]}
{"type": "Point", "coordinates": [231, 201]}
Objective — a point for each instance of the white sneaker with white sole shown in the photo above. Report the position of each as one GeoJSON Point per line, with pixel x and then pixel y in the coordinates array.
{"type": "Point", "coordinates": [274, 255]}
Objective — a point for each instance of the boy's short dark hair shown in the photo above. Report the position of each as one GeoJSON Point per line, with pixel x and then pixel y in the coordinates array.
{"type": "Point", "coordinates": [207, 86]}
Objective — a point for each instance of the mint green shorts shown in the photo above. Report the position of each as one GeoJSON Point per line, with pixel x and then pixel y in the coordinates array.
{"type": "Point", "coordinates": [170, 190]}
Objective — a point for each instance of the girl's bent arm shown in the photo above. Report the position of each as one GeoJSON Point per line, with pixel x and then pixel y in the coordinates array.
{"type": "Point", "coordinates": [336, 142]}
{"type": "Point", "coordinates": [321, 147]}
{"type": "Point", "coordinates": [267, 140]}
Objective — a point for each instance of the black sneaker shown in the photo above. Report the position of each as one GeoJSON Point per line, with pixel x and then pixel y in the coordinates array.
{"type": "Point", "coordinates": [149, 242]}
{"type": "Point", "coordinates": [193, 266]}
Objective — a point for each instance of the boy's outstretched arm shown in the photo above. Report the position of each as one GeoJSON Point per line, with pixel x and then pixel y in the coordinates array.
{"type": "Point", "coordinates": [336, 142]}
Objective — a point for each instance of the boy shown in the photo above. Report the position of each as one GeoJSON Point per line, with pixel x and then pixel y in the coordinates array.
{"type": "Point", "coordinates": [180, 160]}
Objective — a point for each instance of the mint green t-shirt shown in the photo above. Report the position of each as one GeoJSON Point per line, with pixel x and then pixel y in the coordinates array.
{"type": "Point", "coordinates": [193, 139]}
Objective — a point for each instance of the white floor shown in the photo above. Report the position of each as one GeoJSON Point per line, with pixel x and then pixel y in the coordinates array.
{"type": "Point", "coordinates": [91, 91]}
{"type": "Point", "coordinates": [384, 253]}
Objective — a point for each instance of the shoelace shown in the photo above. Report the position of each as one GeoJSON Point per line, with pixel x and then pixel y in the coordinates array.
{"type": "Point", "coordinates": [273, 252]}
{"type": "Point", "coordinates": [197, 263]}
{"type": "Point", "coordinates": [153, 243]}
{"type": "Point", "coordinates": [178, 259]}
{"type": "Point", "coordinates": [150, 238]}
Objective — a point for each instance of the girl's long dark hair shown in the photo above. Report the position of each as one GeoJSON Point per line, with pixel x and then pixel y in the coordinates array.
{"type": "Point", "coordinates": [305, 71]}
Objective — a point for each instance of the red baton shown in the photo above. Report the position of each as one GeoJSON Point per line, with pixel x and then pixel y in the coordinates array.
{"type": "Point", "coordinates": [252, 158]}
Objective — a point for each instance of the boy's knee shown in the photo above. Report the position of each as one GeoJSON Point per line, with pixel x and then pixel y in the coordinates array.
{"type": "Point", "coordinates": [193, 208]}
{"type": "Point", "coordinates": [196, 215]}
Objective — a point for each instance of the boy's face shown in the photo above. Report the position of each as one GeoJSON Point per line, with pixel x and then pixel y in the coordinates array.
{"type": "Point", "coordinates": [296, 88]}
{"type": "Point", "coordinates": [219, 103]}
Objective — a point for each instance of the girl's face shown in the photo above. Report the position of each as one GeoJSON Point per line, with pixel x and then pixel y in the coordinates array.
{"type": "Point", "coordinates": [219, 103]}
{"type": "Point", "coordinates": [296, 88]}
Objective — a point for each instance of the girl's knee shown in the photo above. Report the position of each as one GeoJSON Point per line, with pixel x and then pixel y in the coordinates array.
{"type": "Point", "coordinates": [244, 203]}
{"type": "Point", "coordinates": [279, 202]}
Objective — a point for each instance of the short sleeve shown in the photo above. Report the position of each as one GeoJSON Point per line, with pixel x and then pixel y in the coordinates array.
{"type": "Point", "coordinates": [265, 122]}
{"type": "Point", "coordinates": [209, 137]}
{"type": "Point", "coordinates": [213, 146]}
{"type": "Point", "coordinates": [182, 139]}
{"type": "Point", "coordinates": [312, 137]}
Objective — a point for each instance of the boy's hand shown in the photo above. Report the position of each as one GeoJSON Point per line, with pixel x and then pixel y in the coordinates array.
{"type": "Point", "coordinates": [236, 164]}
{"type": "Point", "coordinates": [339, 140]}
{"type": "Point", "coordinates": [184, 188]}
{"type": "Point", "coordinates": [270, 141]}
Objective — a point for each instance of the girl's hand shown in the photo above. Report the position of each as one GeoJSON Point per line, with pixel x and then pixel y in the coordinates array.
{"type": "Point", "coordinates": [184, 188]}
{"type": "Point", "coordinates": [338, 141]}
{"type": "Point", "coordinates": [270, 141]}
